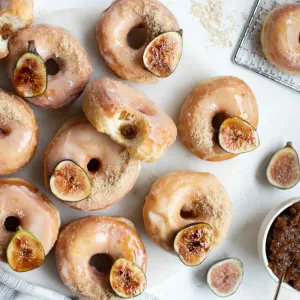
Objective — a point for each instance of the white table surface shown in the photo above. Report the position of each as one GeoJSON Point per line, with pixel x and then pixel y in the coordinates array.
{"type": "Point", "coordinates": [244, 177]}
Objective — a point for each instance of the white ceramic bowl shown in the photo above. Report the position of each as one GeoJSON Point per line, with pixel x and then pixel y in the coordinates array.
{"type": "Point", "coordinates": [263, 233]}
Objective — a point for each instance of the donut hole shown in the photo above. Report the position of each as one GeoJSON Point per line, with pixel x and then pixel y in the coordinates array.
{"type": "Point", "coordinates": [129, 131]}
{"type": "Point", "coordinates": [136, 37]}
{"type": "Point", "coordinates": [101, 262]}
{"type": "Point", "coordinates": [3, 133]}
{"type": "Point", "coordinates": [12, 223]}
{"type": "Point", "coordinates": [52, 66]}
{"type": "Point", "coordinates": [190, 210]}
{"type": "Point", "coordinates": [94, 165]}
{"type": "Point", "coordinates": [217, 120]}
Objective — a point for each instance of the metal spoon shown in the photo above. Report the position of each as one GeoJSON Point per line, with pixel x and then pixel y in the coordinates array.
{"type": "Point", "coordinates": [279, 286]}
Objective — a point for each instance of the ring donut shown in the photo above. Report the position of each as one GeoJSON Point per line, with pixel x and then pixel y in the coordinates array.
{"type": "Point", "coordinates": [113, 171]}
{"type": "Point", "coordinates": [280, 38]}
{"type": "Point", "coordinates": [114, 26]}
{"type": "Point", "coordinates": [182, 198]}
{"type": "Point", "coordinates": [59, 44]}
{"type": "Point", "coordinates": [129, 118]}
{"type": "Point", "coordinates": [206, 107]}
{"type": "Point", "coordinates": [18, 133]}
{"type": "Point", "coordinates": [14, 15]}
{"type": "Point", "coordinates": [31, 209]}
{"type": "Point", "coordinates": [82, 239]}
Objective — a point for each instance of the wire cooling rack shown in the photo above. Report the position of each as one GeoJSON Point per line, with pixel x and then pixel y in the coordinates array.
{"type": "Point", "coordinates": [249, 53]}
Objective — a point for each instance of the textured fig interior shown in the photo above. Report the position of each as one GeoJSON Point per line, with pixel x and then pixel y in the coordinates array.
{"type": "Point", "coordinates": [6, 31]}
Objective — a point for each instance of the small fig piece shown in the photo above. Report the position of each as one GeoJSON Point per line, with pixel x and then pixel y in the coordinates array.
{"type": "Point", "coordinates": [237, 136]}
{"type": "Point", "coordinates": [283, 170]}
{"type": "Point", "coordinates": [69, 182]}
{"type": "Point", "coordinates": [127, 279]}
{"type": "Point", "coordinates": [193, 243]}
{"type": "Point", "coordinates": [30, 74]}
{"type": "Point", "coordinates": [24, 252]}
{"type": "Point", "coordinates": [225, 276]}
{"type": "Point", "coordinates": [162, 55]}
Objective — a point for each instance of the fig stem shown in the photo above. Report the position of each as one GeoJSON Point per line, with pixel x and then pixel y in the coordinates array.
{"type": "Point", "coordinates": [31, 47]}
{"type": "Point", "coordinates": [180, 32]}
{"type": "Point", "coordinates": [289, 145]}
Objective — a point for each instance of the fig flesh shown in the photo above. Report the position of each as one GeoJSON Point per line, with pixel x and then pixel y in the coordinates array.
{"type": "Point", "coordinates": [237, 136]}
{"type": "Point", "coordinates": [30, 74]}
{"type": "Point", "coordinates": [127, 279]}
{"type": "Point", "coordinates": [283, 170]}
{"type": "Point", "coordinates": [225, 277]}
{"type": "Point", "coordinates": [162, 55]}
{"type": "Point", "coordinates": [24, 252]}
{"type": "Point", "coordinates": [192, 244]}
{"type": "Point", "coordinates": [69, 182]}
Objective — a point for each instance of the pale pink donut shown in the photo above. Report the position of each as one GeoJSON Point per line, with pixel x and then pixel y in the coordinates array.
{"type": "Point", "coordinates": [80, 142]}
{"type": "Point", "coordinates": [113, 27]}
{"type": "Point", "coordinates": [59, 44]}
{"type": "Point", "coordinates": [82, 239]}
{"type": "Point", "coordinates": [34, 211]}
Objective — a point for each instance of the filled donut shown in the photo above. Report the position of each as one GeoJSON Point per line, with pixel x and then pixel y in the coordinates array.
{"type": "Point", "coordinates": [129, 118]}
{"type": "Point", "coordinates": [205, 109]}
{"type": "Point", "coordinates": [14, 15]}
{"type": "Point", "coordinates": [70, 65]}
{"type": "Point", "coordinates": [280, 38]}
{"type": "Point", "coordinates": [103, 170]}
{"type": "Point", "coordinates": [18, 133]}
{"type": "Point", "coordinates": [115, 25]}
{"type": "Point", "coordinates": [23, 204]}
{"type": "Point", "coordinates": [181, 198]}
{"type": "Point", "coordinates": [84, 238]}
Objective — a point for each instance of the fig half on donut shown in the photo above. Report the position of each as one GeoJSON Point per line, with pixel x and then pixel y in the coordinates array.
{"type": "Point", "coordinates": [162, 55]}
{"type": "Point", "coordinates": [24, 252]}
{"type": "Point", "coordinates": [30, 74]}
{"type": "Point", "coordinates": [193, 243]}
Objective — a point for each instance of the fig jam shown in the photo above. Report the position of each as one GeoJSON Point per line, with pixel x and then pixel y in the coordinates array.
{"type": "Point", "coordinates": [283, 246]}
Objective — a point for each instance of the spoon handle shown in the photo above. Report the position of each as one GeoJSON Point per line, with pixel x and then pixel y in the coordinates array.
{"type": "Point", "coordinates": [279, 287]}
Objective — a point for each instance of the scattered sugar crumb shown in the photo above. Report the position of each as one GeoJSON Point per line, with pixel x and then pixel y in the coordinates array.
{"type": "Point", "coordinates": [213, 18]}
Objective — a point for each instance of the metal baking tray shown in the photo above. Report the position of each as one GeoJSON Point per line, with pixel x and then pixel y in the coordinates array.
{"type": "Point", "coordinates": [249, 51]}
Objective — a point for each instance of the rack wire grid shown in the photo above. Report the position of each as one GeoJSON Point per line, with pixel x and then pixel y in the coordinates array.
{"type": "Point", "coordinates": [249, 53]}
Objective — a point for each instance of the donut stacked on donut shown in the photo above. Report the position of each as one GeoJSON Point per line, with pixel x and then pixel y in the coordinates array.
{"type": "Point", "coordinates": [82, 239]}
{"type": "Point", "coordinates": [14, 15]}
{"type": "Point", "coordinates": [31, 209]}
{"type": "Point", "coordinates": [114, 26]}
{"type": "Point", "coordinates": [182, 198]}
{"type": "Point", "coordinates": [59, 44]}
{"type": "Point", "coordinates": [218, 98]}
{"type": "Point", "coordinates": [280, 38]}
{"type": "Point", "coordinates": [129, 118]}
{"type": "Point", "coordinates": [18, 133]}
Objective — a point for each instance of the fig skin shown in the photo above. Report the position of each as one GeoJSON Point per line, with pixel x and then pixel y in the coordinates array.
{"type": "Point", "coordinates": [240, 139]}
{"type": "Point", "coordinates": [30, 71]}
{"type": "Point", "coordinates": [190, 247]}
{"type": "Point", "coordinates": [219, 263]}
{"type": "Point", "coordinates": [288, 168]}
{"type": "Point", "coordinates": [158, 48]}
{"type": "Point", "coordinates": [19, 247]}
{"type": "Point", "coordinates": [137, 288]}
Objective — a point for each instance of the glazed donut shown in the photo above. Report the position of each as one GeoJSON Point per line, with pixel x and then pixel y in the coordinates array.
{"type": "Point", "coordinates": [182, 198]}
{"type": "Point", "coordinates": [129, 118]}
{"type": "Point", "coordinates": [18, 133]}
{"type": "Point", "coordinates": [114, 26]}
{"type": "Point", "coordinates": [54, 43]}
{"type": "Point", "coordinates": [110, 168]}
{"type": "Point", "coordinates": [14, 15]}
{"type": "Point", "coordinates": [280, 38]}
{"type": "Point", "coordinates": [210, 101]}
{"type": "Point", "coordinates": [23, 204]}
{"type": "Point", "coordinates": [82, 239]}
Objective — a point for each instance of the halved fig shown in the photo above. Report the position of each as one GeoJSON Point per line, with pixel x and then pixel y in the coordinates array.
{"type": "Point", "coordinates": [283, 170]}
{"type": "Point", "coordinates": [127, 279]}
{"type": "Point", "coordinates": [30, 74]}
{"type": "Point", "coordinates": [193, 243]}
{"type": "Point", "coordinates": [237, 136]}
{"type": "Point", "coordinates": [225, 276]}
{"type": "Point", "coordinates": [69, 182]}
{"type": "Point", "coordinates": [162, 55]}
{"type": "Point", "coordinates": [24, 252]}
